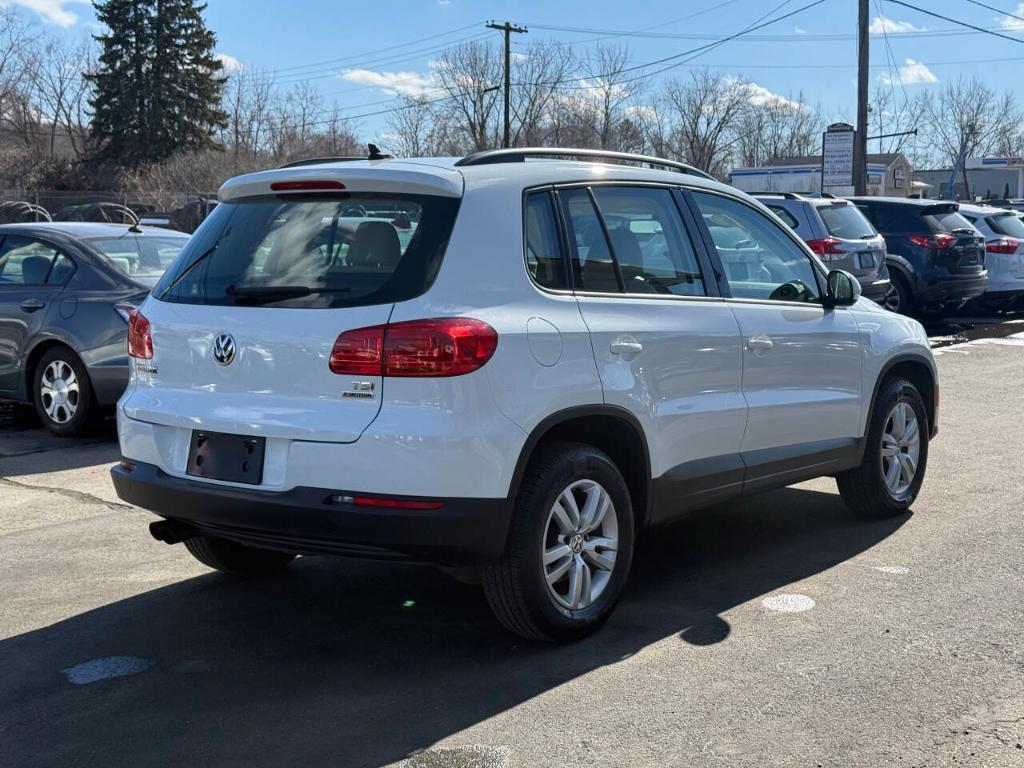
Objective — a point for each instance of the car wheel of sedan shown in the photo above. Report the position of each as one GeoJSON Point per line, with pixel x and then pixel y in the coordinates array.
{"type": "Point", "coordinates": [62, 393]}
{"type": "Point", "coordinates": [570, 547]}
{"type": "Point", "coordinates": [895, 456]}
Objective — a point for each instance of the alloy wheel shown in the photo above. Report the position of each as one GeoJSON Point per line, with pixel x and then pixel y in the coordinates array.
{"type": "Point", "coordinates": [581, 539]}
{"type": "Point", "coordinates": [892, 299]}
{"type": "Point", "coordinates": [901, 448]}
{"type": "Point", "coordinates": [60, 392]}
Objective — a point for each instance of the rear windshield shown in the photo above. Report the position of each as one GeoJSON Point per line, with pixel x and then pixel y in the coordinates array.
{"type": "Point", "coordinates": [344, 250]}
{"type": "Point", "coordinates": [846, 222]}
{"type": "Point", "coordinates": [1007, 224]}
{"type": "Point", "coordinates": [947, 222]}
{"type": "Point", "coordinates": [144, 258]}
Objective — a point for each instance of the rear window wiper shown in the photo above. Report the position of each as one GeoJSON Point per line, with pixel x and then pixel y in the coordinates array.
{"type": "Point", "coordinates": [195, 263]}
{"type": "Point", "coordinates": [267, 294]}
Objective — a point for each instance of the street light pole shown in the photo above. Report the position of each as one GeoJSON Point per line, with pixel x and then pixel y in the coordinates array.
{"type": "Point", "coordinates": [508, 29]}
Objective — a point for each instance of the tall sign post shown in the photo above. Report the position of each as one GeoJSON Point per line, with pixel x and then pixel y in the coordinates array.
{"type": "Point", "coordinates": [837, 152]}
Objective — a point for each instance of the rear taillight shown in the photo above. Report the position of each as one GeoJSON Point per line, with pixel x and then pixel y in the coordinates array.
{"type": "Point", "coordinates": [140, 336]}
{"type": "Point", "coordinates": [827, 246]}
{"type": "Point", "coordinates": [932, 241]}
{"type": "Point", "coordinates": [449, 346]}
{"type": "Point", "coordinates": [1003, 245]}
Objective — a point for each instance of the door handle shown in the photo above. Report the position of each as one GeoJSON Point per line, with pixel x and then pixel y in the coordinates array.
{"type": "Point", "coordinates": [626, 347]}
{"type": "Point", "coordinates": [759, 343]}
{"type": "Point", "coordinates": [31, 305]}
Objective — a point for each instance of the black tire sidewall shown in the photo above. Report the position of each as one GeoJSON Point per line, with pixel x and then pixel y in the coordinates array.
{"type": "Point", "coordinates": [83, 415]}
{"type": "Point", "coordinates": [577, 463]}
{"type": "Point", "coordinates": [897, 390]}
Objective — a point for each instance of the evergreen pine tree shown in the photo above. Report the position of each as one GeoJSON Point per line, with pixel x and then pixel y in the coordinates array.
{"type": "Point", "coordinates": [158, 86]}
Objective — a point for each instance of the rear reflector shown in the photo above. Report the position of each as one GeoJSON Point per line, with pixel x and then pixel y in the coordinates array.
{"type": "Point", "coordinates": [140, 336]}
{"type": "Point", "coordinates": [305, 186]}
{"type": "Point", "coordinates": [450, 346]}
{"type": "Point", "coordinates": [373, 501]}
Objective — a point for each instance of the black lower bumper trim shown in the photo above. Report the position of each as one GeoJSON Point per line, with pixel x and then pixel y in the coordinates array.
{"type": "Point", "coordinates": [306, 521]}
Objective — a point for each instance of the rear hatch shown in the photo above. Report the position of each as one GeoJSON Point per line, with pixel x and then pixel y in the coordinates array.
{"type": "Point", "coordinates": [245, 321]}
{"type": "Point", "coordinates": [960, 247]}
{"type": "Point", "coordinates": [863, 247]}
{"type": "Point", "coordinates": [1006, 252]}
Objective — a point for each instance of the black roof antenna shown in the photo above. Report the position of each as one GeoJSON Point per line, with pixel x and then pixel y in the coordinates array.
{"type": "Point", "coordinates": [376, 154]}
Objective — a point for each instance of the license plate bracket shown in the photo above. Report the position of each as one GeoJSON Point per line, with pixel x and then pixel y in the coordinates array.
{"type": "Point", "coordinates": [227, 457]}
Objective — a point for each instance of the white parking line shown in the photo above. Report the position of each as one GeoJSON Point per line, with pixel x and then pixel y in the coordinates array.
{"type": "Point", "coordinates": [106, 667]}
{"type": "Point", "coordinates": [788, 603]}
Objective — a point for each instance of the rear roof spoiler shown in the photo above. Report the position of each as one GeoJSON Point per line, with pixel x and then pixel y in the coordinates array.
{"type": "Point", "coordinates": [945, 207]}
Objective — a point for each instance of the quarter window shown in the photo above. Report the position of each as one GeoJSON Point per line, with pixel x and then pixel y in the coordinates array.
{"type": "Point", "coordinates": [787, 217]}
{"type": "Point", "coordinates": [543, 246]}
{"type": "Point", "coordinates": [761, 261]}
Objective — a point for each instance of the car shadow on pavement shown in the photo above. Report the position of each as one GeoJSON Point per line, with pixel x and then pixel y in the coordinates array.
{"type": "Point", "coordinates": [347, 663]}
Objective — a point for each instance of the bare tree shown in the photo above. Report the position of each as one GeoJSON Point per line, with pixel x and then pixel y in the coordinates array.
{"type": "Point", "coordinates": [468, 77]}
{"type": "Point", "coordinates": [773, 126]}
{"type": "Point", "coordinates": [60, 95]}
{"type": "Point", "coordinates": [537, 76]}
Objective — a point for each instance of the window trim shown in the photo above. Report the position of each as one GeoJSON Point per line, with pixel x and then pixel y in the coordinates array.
{"type": "Point", "coordinates": [707, 268]}
{"type": "Point", "coordinates": [820, 274]}
{"type": "Point", "coordinates": [58, 251]}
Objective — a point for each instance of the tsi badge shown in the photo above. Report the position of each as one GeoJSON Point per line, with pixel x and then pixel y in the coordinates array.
{"type": "Point", "coordinates": [224, 349]}
{"type": "Point", "coordinates": [361, 389]}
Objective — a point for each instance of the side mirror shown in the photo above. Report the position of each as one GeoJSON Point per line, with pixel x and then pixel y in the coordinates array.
{"type": "Point", "coordinates": [843, 289]}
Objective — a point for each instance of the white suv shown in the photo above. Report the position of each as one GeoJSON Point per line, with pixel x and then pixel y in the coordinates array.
{"type": "Point", "coordinates": [505, 364]}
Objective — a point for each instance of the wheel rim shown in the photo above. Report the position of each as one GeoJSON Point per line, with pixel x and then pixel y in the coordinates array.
{"type": "Point", "coordinates": [901, 448]}
{"type": "Point", "coordinates": [892, 299]}
{"type": "Point", "coordinates": [59, 392]}
{"type": "Point", "coordinates": [581, 539]}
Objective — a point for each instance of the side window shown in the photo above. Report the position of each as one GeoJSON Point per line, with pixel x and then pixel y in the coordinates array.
{"type": "Point", "coordinates": [25, 262]}
{"type": "Point", "coordinates": [543, 246]}
{"type": "Point", "coordinates": [593, 267]}
{"type": "Point", "coordinates": [785, 215]}
{"type": "Point", "coordinates": [652, 248]}
{"type": "Point", "coordinates": [61, 270]}
{"type": "Point", "coordinates": [761, 261]}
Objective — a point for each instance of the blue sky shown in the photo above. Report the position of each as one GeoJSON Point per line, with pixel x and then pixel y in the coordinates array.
{"type": "Point", "coordinates": [814, 51]}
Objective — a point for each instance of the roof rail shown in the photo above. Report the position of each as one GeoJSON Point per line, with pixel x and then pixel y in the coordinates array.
{"type": "Point", "coordinates": [519, 155]}
{"type": "Point", "coordinates": [785, 195]}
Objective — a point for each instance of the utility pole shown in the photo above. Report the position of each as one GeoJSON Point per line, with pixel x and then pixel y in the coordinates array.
{"type": "Point", "coordinates": [508, 29]}
{"type": "Point", "coordinates": [860, 145]}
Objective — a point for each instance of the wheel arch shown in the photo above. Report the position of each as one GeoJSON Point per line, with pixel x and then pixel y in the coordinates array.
{"type": "Point", "coordinates": [919, 371]}
{"type": "Point", "coordinates": [609, 428]}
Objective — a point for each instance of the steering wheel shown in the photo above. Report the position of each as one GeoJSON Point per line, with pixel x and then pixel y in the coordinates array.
{"type": "Point", "coordinates": [794, 290]}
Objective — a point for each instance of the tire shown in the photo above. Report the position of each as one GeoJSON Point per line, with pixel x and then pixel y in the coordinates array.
{"type": "Point", "coordinates": [899, 297]}
{"type": "Point", "coordinates": [517, 586]}
{"type": "Point", "coordinates": [865, 489]}
{"type": "Point", "coordinates": [232, 557]}
{"type": "Point", "coordinates": [62, 393]}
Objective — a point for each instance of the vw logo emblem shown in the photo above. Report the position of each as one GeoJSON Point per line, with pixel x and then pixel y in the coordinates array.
{"type": "Point", "coordinates": [224, 349]}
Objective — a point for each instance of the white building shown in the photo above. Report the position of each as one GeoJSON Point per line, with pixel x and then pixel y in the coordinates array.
{"type": "Point", "coordinates": [888, 174]}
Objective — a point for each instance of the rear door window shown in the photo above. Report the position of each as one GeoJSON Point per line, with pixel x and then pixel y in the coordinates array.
{"type": "Point", "coordinates": [345, 250]}
{"type": "Point", "coordinates": [786, 216]}
{"type": "Point", "coordinates": [24, 261]}
{"type": "Point", "coordinates": [846, 222]}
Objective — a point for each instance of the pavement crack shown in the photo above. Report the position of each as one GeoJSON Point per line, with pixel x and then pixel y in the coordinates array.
{"type": "Point", "coordinates": [81, 496]}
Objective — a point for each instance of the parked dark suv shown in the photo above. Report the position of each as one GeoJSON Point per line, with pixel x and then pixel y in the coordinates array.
{"type": "Point", "coordinates": [936, 258]}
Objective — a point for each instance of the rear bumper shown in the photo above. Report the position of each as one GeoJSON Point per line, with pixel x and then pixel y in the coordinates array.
{"type": "Point", "coordinates": [306, 520]}
{"type": "Point", "coordinates": [952, 289]}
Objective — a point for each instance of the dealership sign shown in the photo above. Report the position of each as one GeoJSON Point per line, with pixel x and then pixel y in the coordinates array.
{"type": "Point", "coordinates": [837, 155]}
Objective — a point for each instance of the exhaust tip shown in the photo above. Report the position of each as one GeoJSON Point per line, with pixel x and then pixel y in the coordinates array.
{"type": "Point", "coordinates": [171, 532]}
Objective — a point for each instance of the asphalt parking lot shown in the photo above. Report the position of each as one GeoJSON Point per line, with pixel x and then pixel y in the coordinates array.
{"type": "Point", "coordinates": [777, 631]}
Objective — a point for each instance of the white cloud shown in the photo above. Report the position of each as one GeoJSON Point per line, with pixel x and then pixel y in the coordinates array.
{"type": "Point", "coordinates": [884, 25]}
{"type": "Point", "coordinates": [400, 83]}
{"type": "Point", "coordinates": [53, 11]}
{"type": "Point", "coordinates": [759, 96]}
{"type": "Point", "coordinates": [443, 3]}
{"type": "Point", "coordinates": [1011, 24]}
{"type": "Point", "coordinates": [229, 62]}
{"type": "Point", "coordinates": [911, 73]}
{"type": "Point", "coordinates": [800, 30]}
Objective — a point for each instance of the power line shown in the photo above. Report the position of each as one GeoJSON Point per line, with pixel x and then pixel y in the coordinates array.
{"type": "Point", "coordinates": [956, 21]}
{"type": "Point", "coordinates": [803, 37]}
{"type": "Point", "coordinates": [989, 7]}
